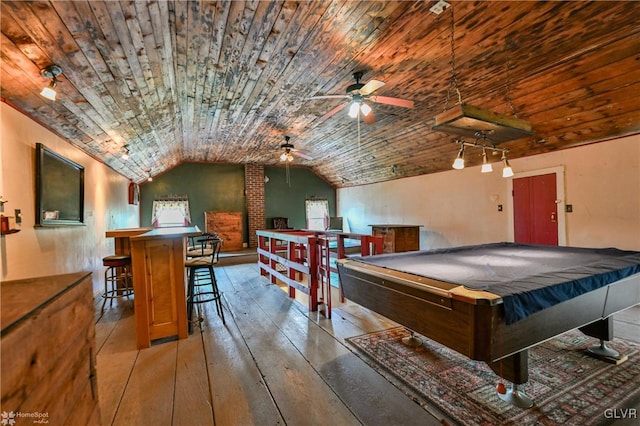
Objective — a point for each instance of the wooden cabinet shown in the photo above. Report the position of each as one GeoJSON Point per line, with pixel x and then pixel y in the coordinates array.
{"type": "Point", "coordinates": [229, 226]}
{"type": "Point", "coordinates": [48, 350]}
{"type": "Point", "coordinates": [157, 259]}
{"type": "Point", "coordinates": [398, 238]}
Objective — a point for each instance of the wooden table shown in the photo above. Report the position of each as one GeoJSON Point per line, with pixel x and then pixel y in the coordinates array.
{"type": "Point", "coordinates": [159, 275]}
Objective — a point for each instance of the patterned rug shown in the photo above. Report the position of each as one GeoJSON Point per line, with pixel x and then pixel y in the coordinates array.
{"type": "Point", "coordinates": [567, 386]}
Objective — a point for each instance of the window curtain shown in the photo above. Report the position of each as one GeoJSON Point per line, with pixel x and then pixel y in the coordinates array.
{"type": "Point", "coordinates": [181, 205]}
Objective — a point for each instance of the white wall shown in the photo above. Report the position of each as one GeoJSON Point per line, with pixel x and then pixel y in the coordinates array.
{"type": "Point", "coordinates": [460, 207]}
{"type": "Point", "coordinates": [35, 252]}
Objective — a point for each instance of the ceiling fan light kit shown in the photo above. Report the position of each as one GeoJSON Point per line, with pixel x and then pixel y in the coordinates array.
{"type": "Point", "coordinates": [357, 93]}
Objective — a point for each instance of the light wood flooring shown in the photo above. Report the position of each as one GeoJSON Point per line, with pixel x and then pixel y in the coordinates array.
{"type": "Point", "coordinates": [272, 363]}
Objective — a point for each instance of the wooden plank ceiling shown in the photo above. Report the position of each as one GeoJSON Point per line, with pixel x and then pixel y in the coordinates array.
{"type": "Point", "coordinates": [224, 82]}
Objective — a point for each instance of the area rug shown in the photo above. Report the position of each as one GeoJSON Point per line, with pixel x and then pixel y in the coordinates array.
{"type": "Point", "coordinates": [567, 386]}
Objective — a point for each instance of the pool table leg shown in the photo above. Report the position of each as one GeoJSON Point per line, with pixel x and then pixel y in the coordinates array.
{"type": "Point", "coordinates": [603, 330]}
{"type": "Point", "coordinates": [514, 368]}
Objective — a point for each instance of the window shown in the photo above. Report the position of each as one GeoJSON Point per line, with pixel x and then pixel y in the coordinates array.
{"type": "Point", "coordinates": [173, 212]}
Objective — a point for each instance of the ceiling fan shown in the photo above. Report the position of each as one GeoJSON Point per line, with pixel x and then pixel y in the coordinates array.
{"type": "Point", "coordinates": [288, 151]}
{"type": "Point", "coordinates": [357, 94]}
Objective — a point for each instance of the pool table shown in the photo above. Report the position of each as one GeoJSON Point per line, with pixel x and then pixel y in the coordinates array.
{"type": "Point", "coordinates": [492, 302]}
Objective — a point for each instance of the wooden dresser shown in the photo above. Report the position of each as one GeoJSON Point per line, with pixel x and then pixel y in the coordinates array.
{"type": "Point", "coordinates": [398, 238]}
{"type": "Point", "coordinates": [48, 350]}
{"type": "Point", "coordinates": [229, 226]}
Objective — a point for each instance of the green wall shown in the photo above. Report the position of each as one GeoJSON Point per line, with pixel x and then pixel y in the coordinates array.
{"type": "Point", "coordinates": [288, 200]}
{"type": "Point", "coordinates": [210, 187]}
{"type": "Point", "coordinates": [220, 187]}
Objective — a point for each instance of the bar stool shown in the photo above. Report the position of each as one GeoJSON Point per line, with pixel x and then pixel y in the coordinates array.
{"type": "Point", "coordinates": [117, 278]}
{"type": "Point", "coordinates": [199, 246]}
{"type": "Point", "coordinates": [202, 286]}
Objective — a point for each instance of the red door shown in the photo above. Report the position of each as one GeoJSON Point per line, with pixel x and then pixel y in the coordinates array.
{"type": "Point", "coordinates": [535, 214]}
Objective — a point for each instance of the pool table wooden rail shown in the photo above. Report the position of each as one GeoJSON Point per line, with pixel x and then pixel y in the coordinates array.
{"type": "Point", "coordinates": [420, 284]}
{"type": "Point", "coordinates": [474, 324]}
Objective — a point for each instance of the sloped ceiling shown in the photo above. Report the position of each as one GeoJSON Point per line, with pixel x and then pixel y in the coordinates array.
{"type": "Point", "coordinates": [224, 82]}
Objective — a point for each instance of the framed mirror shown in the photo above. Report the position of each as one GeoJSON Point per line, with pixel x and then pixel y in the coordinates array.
{"type": "Point", "coordinates": [59, 189]}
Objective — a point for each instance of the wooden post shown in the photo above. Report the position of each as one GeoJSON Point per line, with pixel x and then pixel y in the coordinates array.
{"type": "Point", "coordinates": [313, 275]}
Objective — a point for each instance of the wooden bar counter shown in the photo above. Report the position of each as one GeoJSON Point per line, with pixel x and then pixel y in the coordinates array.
{"type": "Point", "coordinates": [157, 259]}
{"type": "Point", "coordinates": [121, 236]}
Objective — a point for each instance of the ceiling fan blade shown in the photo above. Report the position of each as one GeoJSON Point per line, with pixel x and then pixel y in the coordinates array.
{"type": "Point", "coordinates": [302, 155]}
{"type": "Point", "coordinates": [392, 101]}
{"type": "Point", "coordinates": [330, 97]}
{"type": "Point", "coordinates": [371, 87]}
{"type": "Point", "coordinates": [369, 118]}
{"type": "Point", "coordinates": [333, 112]}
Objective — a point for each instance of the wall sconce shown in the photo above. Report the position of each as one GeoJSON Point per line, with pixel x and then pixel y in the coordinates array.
{"type": "Point", "coordinates": [52, 72]}
{"type": "Point", "coordinates": [458, 164]}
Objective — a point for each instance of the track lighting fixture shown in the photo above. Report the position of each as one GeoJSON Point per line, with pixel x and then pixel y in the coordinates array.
{"type": "Point", "coordinates": [507, 171]}
{"type": "Point", "coordinates": [52, 72]}
{"type": "Point", "coordinates": [458, 164]}
{"type": "Point", "coordinates": [486, 165]}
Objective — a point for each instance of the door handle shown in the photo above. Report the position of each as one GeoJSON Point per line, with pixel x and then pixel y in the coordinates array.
{"type": "Point", "coordinates": [553, 217]}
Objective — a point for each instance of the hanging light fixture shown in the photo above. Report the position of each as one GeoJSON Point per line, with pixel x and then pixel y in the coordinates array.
{"type": "Point", "coordinates": [467, 120]}
{"type": "Point", "coordinates": [458, 163]}
{"type": "Point", "coordinates": [507, 171]}
{"type": "Point", "coordinates": [486, 165]}
{"type": "Point", "coordinates": [52, 72]}
{"type": "Point", "coordinates": [125, 153]}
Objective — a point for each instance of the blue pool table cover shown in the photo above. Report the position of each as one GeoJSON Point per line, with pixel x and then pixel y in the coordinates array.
{"type": "Point", "coordinates": [529, 278]}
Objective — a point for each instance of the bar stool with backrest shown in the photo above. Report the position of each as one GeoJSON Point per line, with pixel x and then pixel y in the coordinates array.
{"type": "Point", "coordinates": [202, 286]}
{"type": "Point", "coordinates": [118, 282]}
{"type": "Point", "coordinates": [200, 246]}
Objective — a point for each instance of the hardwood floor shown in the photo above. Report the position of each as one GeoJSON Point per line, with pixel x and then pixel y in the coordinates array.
{"type": "Point", "coordinates": [272, 363]}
